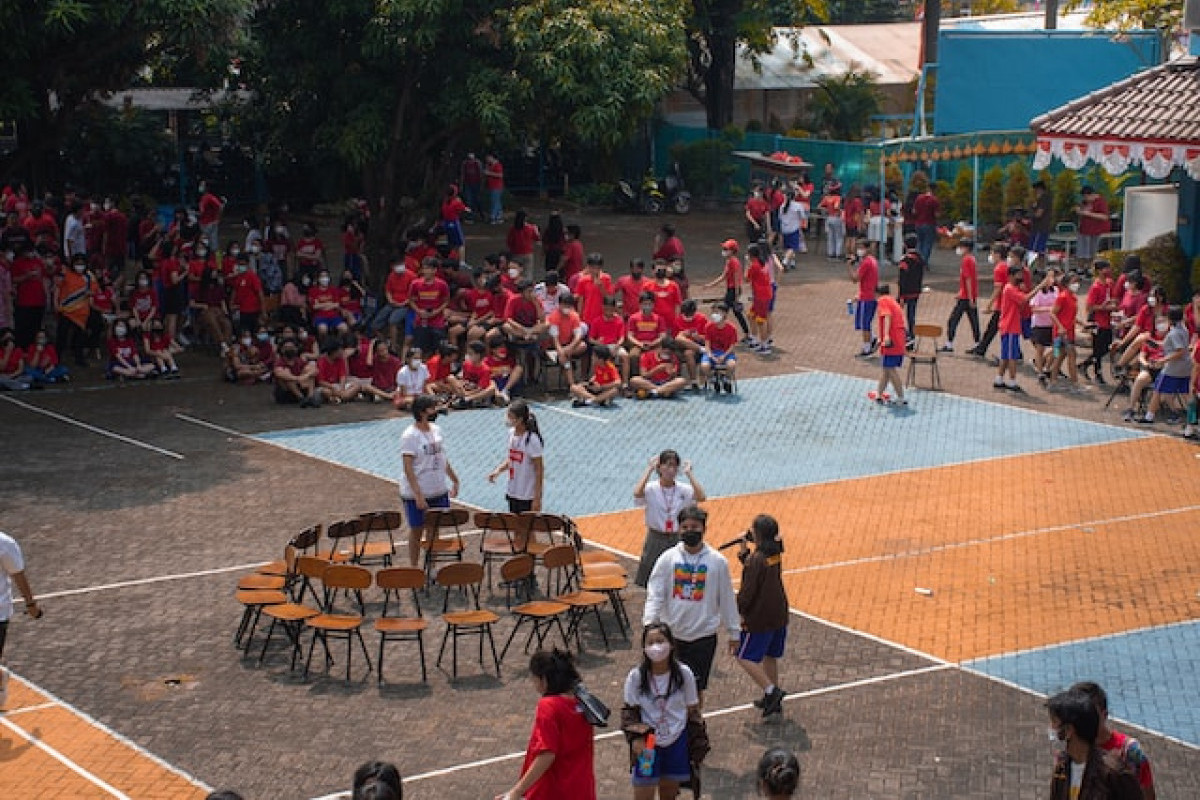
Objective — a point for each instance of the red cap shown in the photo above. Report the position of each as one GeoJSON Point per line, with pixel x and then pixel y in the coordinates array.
{"type": "Point", "coordinates": [730, 244]}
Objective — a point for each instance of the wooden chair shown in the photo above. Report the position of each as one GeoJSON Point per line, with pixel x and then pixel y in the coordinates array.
{"type": "Point", "coordinates": [925, 351]}
{"type": "Point", "coordinates": [516, 578]}
{"type": "Point", "coordinates": [291, 613]}
{"type": "Point", "coordinates": [474, 621]}
{"type": "Point", "coordinates": [500, 537]}
{"type": "Point", "coordinates": [563, 568]}
{"type": "Point", "coordinates": [253, 601]}
{"type": "Point", "coordinates": [332, 622]}
{"type": "Point", "coordinates": [386, 522]}
{"type": "Point", "coordinates": [543, 615]}
{"type": "Point", "coordinates": [449, 548]}
{"type": "Point", "coordinates": [343, 541]}
{"type": "Point", "coordinates": [400, 628]}
{"type": "Point", "coordinates": [611, 587]}
{"type": "Point", "coordinates": [307, 540]}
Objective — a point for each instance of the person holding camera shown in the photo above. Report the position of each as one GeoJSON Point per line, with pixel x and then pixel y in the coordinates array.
{"type": "Point", "coordinates": [763, 605]}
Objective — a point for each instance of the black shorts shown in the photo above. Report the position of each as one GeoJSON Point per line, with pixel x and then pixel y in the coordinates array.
{"type": "Point", "coordinates": [518, 506]}
{"type": "Point", "coordinates": [1042, 335]}
{"type": "Point", "coordinates": [175, 299]}
{"type": "Point", "coordinates": [284, 397]}
{"type": "Point", "coordinates": [698, 655]}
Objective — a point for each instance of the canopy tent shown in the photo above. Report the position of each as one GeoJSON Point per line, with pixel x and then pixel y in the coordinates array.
{"type": "Point", "coordinates": [1150, 120]}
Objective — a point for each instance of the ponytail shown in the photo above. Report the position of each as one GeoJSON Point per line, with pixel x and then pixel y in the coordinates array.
{"type": "Point", "coordinates": [520, 410]}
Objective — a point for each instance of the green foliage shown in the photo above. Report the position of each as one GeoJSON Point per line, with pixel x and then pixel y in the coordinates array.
{"type": "Point", "coordinates": [107, 150]}
{"type": "Point", "coordinates": [1164, 262]}
{"type": "Point", "coordinates": [962, 196]}
{"type": "Point", "coordinates": [991, 197]}
{"type": "Point", "coordinates": [843, 105]}
{"type": "Point", "coordinates": [1111, 187]}
{"type": "Point", "coordinates": [1066, 196]}
{"type": "Point", "coordinates": [706, 164]}
{"type": "Point", "coordinates": [893, 177]}
{"type": "Point", "coordinates": [854, 12]}
{"type": "Point", "coordinates": [1018, 190]}
{"type": "Point", "coordinates": [594, 194]}
{"type": "Point", "coordinates": [945, 195]}
{"type": "Point", "coordinates": [1132, 14]}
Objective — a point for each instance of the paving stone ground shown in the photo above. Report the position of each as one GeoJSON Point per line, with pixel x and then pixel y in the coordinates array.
{"type": "Point", "coordinates": [154, 661]}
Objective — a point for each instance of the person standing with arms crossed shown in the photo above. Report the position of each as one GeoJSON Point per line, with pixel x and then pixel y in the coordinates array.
{"type": "Point", "coordinates": [12, 563]}
{"type": "Point", "coordinates": [663, 499]}
{"type": "Point", "coordinates": [426, 468]}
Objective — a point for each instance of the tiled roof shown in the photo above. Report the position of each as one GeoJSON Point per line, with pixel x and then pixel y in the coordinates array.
{"type": "Point", "coordinates": [1160, 104]}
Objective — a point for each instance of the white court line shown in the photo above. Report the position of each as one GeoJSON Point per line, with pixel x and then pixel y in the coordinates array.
{"type": "Point", "coordinates": [571, 413]}
{"type": "Point", "coordinates": [146, 581]}
{"type": "Point", "coordinates": [941, 548]}
{"type": "Point", "coordinates": [1085, 640]}
{"type": "Point", "coordinates": [838, 687]}
{"type": "Point", "coordinates": [132, 745]}
{"type": "Point", "coordinates": [66, 762]}
{"type": "Point", "coordinates": [27, 709]}
{"type": "Point", "coordinates": [92, 428]}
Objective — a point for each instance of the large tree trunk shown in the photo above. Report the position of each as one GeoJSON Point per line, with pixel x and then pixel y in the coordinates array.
{"type": "Point", "coordinates": [718, 78]}
{"type": "Point", "coordinates": [933, 23]}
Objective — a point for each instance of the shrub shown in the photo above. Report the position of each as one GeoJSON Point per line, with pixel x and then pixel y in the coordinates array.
{"type": "Point", "coordinates": [705, 165]}
{"type": "Point", "coordinates": [1164, 262]}
{"type": "Point", "coordinates": [1017, 187]}
{"type": "Point", "coordinates": [945, 196]}
{"type": "Point", "coordinates": [1066, 196]}
{"type": "Point", "coordinates": [962, 196]}
{"type": "Point", "coordinates": [991, 197]}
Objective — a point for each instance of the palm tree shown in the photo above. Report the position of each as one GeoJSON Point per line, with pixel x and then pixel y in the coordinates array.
{"type": "Point", "coordinates": [842, 105]}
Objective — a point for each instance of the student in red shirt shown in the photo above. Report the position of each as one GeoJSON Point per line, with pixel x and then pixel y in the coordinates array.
{"type": "Point", "coordinates": [452, 211]}
{"type": "Point", "coordinates": [719, 340]}
{"type": "Point", "coordinates": [480, 311]}
{"type": "Point", "coordinates": [310, 252]}
{"type": "Point", "coordinates": [333, 375]}
{"type": "Point", "coordinates": [478, 388]}
{"type": "Point", "coordinates": [124, 360]}
{"type": "Point", "coordinates": [1013, 300]}
{"type": "Point", "coordinates": [28, 274]}
{"type": "Point", "coordinates": [758, 215]}
{"type": "Point", "coordinates": [442, 380]}
{"type": "Point", "coordinates": [668, 246]}
{"type": "Point", "coordinates": [295, 378]}
{"type": "Point", "coordinates": [325, 306]}
{"type": "Point", "coordinates": [428, 297]}
{"type": "Point", "coordinates": [690, 330]}
{"type": "Point", "coordinates": [503, 366]}
{"type": "Point", "coordinates": [731, 276]}
{"type": "Point", "coordinates": [246, 291]}
{"type": "Point", "coordinates": [967, 301]}
{"type": "Point", "coordinates": [143, 305]}
{"type": "Point", "coordinates": [604, 384]}
{"type": "Point", "coordinates": [352, 245]}
{"type": "Point", "coordinates": [1064, 317]}
{"type": "Point", "coordinates": [493, 182]}
{"type": "Point", "coordinates": [161, 349]}
{"type": "Point", "coordinates": [567, 332]}
{"type": "Point", "coordinates": [760, 290]}
{"type": "Point", "coordinates": [631, 286]}
{"type": "Point", "coordinates": [659, 373]}
{"type": "Point", "coordinates": [524, 320]}
{"type": "Point", "coordinates": [644, 332]}
{"type": "Point", "coordinates": [592, 287]}
{"type": "Point", "coordinates": [892, 340]}
{"type": "Point", "coordinates": [13, 370]}
{"type": "Point", "coordinates": [42, 364]}
{"type": "Point", "coordinates": [608, 330]}
{"type": "Point", "coordinates": [395, 314]}
{"type": "Point", "coordinates": [864, 271]}
{"type": "Point", "coordinates": [521, 238]}
{"type": "Point", "coordinates": [667, 297]}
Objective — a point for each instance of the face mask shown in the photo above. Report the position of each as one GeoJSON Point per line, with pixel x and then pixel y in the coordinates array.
{"type": "Point", "coordinates": [991, 259]}
{"type": "Point", "coordinates": [691, 538]}
{"type": "Point", "coordinates": [514, 273]}
{"type": "Point", "coordinates": [959, 251]}
{"type": "Point", "coordinates": [289, 353]}
{"type": "Point", "coordinates": [254, 248]}
{"type": "Point", "coordinates": [717, 318]}
{"type": "Point", "coordinates": [1128, 286]}
{"type": "Point", "coordinates": [660, 273]}
{"type": "Point", "coordinates": [323, 281]}
{"type": "Point", "coordinates": [860, 252]}
{"type": "Point", "coordinates": [262, 337]}
{"type": "Point", "coordinates": [81, 268]}
{"type": "Point", "coordinates": [1162, 327]}
{"type": "Point", "coordinates": [120, 331]}
{"type": "Point", "coordinates": [1074, 287]}
{"type": "Point", "coordinates": [647, 310]}
{"type": "Point", "coordinates": [657, 652]}
{"type": "Point", "coordinates": [242, 268]}
{"type": "Point", "coordinates": [246, 341]}
{"type": "Point", "coordinates": [398, 269]}
{"type": "Point", "coordinates": [414, 363]}
{"type": "Point", "coordinates": [143, 284]}
{"type": "Point", "coordinates": [202, 253]}
{"type": "Point", "coordinates": [433, 415]}
{"type": "Point", "coordinates": [1152, 301]}
{"type": "Point", "coordinates": [303, 335]}
{"type": "Point", "coordinates": [234, 251]}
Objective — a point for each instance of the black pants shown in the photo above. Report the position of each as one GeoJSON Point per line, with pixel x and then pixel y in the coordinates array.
{"type": "Point", "coordinates": [74, 339]}
{"type": "Point", "coordinates": [27, 321]}
{"type": "Point", "coordinates": [1101, 343]}
{"type": "Point", "coordinates": [910, 314]}
{"type": "Point", "coordinates": [735, 306]}
{"type": "Point", "coordinates": [963, 307]}
{"type": "Point", "coordinates": [993, 328]}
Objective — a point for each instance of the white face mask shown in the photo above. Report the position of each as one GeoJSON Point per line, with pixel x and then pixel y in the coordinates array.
{"type": "Point", "coordinates": [514, 273]}
{"type": "Point", "coordinates": [860, 252]}
{"type": "Point", "coordinates": [658, 651]}
{"type": "Point", "coordinates": [717, 318]}
{"type": "Point", "coordinates": [120, 330]}
{"type": "Point", "coordinates": [960, 251]}
{"type": "Point", "coordinates": [323, 281]}
{"type": "Point", "coordinates": [1074, 287]}
{"type": "Point", "coordinates": [414, 363]}
{"type": "Point", "coordinates": [246, 341]}
{"type": "Point", "coordinates": [1152, 301]}
{"type": "Point", "coordinates": [991, 259]}
{"type": "Point", "coordinates": [1162, 327]}
{"type": "Point", "coordinates": [143, 284]}
{"type": "Point", "coordinates": [398, 269]}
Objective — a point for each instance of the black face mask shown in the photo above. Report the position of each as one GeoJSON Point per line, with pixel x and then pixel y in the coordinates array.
{"type": "Point", "coordinates": [691, 538]}
{"type": "Point", "coordinates": [431, 416]}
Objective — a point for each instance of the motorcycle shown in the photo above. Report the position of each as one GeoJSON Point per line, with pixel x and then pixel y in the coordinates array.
{"type": "Point", "coordinates": [653, 195]}
{"type": "Point", "coordinates": [679, 199]}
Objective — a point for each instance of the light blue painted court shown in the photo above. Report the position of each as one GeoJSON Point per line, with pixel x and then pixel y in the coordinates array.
{"type": "Point", "coordinates": [778, 432]}
{"type": "Point", "coordinates": [1152, 676]}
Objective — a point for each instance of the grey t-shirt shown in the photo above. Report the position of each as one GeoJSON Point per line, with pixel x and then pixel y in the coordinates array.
{"type": "Point", "coordinates": [1177, 339]}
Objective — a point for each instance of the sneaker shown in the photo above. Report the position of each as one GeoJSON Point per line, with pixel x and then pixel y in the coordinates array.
{"type": "Point", "coordinates": [1127, 416]}
{"type": "Point", "coordinates": [1015, 388]}
{"type": "Point", "coordinates": [773, 702]}
{"type": "Point", "coordinates": [1146, 420]}
{"type": "Point", "coordinates": [998, 383]}
{"type": "Point", "coordinates": [1189, 432]}
{"type": "Point", "coordinates": [728, 386]}
{"type": "Point", "coordinates": [577, 403]}
{"type": "Point", "coordinates": [946, 348]}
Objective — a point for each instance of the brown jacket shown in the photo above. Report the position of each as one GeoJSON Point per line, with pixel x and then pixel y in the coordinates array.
{"type": "Point", "coordinates": [762, 601]}
{"type": "Point", "coordinates": [1104, 778]}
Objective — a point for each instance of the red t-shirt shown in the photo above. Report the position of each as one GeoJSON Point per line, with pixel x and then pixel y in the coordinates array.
{"type": "Point", "coordinates": [439, 368]}
{"type": "Point", "coordinates": [160, 343]}
{"type": "Point", "coordinates": [1000, 274]}
{"type": "Point", "coordinates": [143, 303]}
{"type": "Point", "coordinates": [477, 372]}
{"type": "Point", "coordinates": [757, 208]}
{"type": "Point", "coordinates": [658, 367]}
{"type": "Point", "coordinates": [1099, 294]}
{"type": "Point", "coordinates": [645, 328]}
{"type": "Point", "coordinates": [520, 240]}
{"type": "Point", "coordinates": [630, 289]}
{"type": "Point", "coordinates": [351, 244]}
{"type": "Point", "coordinates": [671, 250]}
{"type": "Point", "coordinates": [331, 370]}
{"type": "Point", "coordinates": [1066, 308]}
{"type": "Point", "coordinates": [567, 324]}
{"type": "Point", "coordinates": [104, 301]}
{"type": "Point", "coordinates": [925, 209]}
{"type": "Point", "coordinates": [12, 361]}
{"type": "Point", "coordinates": [427, 296]}
{"type": "Point", "coordinates": [210, 209]}
{"type": "Point", "coordinates": [607, 330]}
{"type": "Point", "coordinates": [1090, 226]}
{"type": "Point", "coordinates": [309, 250]}
{"type": "Point", "coordinates": [47, 359]}
{"type": "Point", "coordinates": [888, 307]}
{"type": "Point", "coordinates": [383, 373]}
{"type": "Point", "coordinates": [33, 291]}
{"type": "Point", "coordinates": [499, 300]}
{"type": "Point", "coordinates": [605, 374]}
{"type": "Point", "coordinates": [559, 727]}
{"type": "Point", "coordinates": [572, 260]}
{"type": "Point", "coordinates": [500, 362]}
{"type": "Point", "coordinates": [591, 293]}
{"type": "Point", "coordinates": [324, 294]}
{"type": "Point", "coordinates": [522, 311]}
{"type": "Point", "coordinates": [478, 302]}
{"type": "Point", "coordinates": [721, 338]}
{"type": "Point", "coordinates": [495, 180]}
{"type": "Point", "coordinates": [732, 273]}
{"type": "Point", "coordinates": [170, 272]}
{"type": "Point", "coordinates": [247, 292]}
{"type": "Point", "coordinates": [397, 285]}
{"type": "Point", "coordinates": [968, 278]}
{"type": "Point", "coordinates": [453, 209]}
{"type": "Point", "coordinates": [694, 327]}
{"type": "Point", "coordinates": [760, 279]}
{"type": "Point", "coordinates": [296, 366]}
{"type": "Point", "coordinates": [868, 278]}
{"type": "Point", "coordinates": [1012, 307]}
{"type": "Point", "coordinates": [122, 349]}
{"type": "Point", "coordinates": [116, 231]}
{"type": "Point", "coordinates": [666, 301]}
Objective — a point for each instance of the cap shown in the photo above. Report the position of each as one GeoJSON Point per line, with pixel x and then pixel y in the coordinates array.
{"type": "Point", "coordinates": [730, 244]}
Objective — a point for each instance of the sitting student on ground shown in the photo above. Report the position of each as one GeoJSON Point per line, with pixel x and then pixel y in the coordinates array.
{"type": "Point", "coordinates": [1175, 373]}
{"type": "Point", "coordinates": [295, 378]}
{"type": "Point", "coordinates": [442, 382]}
{"type": "Point", "coordinates": [242, 364]}
{"type": "Point", "coordinates": [325, 306]}
{"type": "Point", "coordinates": [690, 331]}
{"type": "Point", "coordinates": [333, 375]}
{"type": "Point", "coordinates": [411, 380]}
{"type": "Point", "coordinates": [719, 341]}
{"type": "Point", "coordinates": [505, 369]}
{"type": "Point", "coordinates": [12, 364]}
{"type": "Point", "coordinates": [124, 360]}
{"type": "Point", "coordinates": [478, 388]}
{"type": "Point", "coordinates": [567, 333]}
{"type": "Point", "coordinates": [659, 373]}
{"type": "Point", "coordinates": [41, 362]}
{"type": "Point", "coordinates": [604, 384]}
{"type": "Point", "coordinates": [161, 349]}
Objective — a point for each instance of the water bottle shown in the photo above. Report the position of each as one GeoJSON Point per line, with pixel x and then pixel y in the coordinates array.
{"type": "Point", "coordinates": [1058, 345]}
{"type": "Point", "coordinates": [850, 306]}
{"type": "Point", "coordinates": [645, 759]}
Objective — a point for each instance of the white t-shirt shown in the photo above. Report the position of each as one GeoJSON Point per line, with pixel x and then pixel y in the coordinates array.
{"type": "Point", "coordinates": [429, 461]}
{"type": "Point", "coordinates": [790, 216]}
{"type": "Point", "coordinates": [1076, 779]}
{"type": "Point", "coordinates": [663, 505]}
{"type": "Point", "coordinates": [523, 448]}
{"type": "Point", "coordinates": [412, 382]}
{"type": "Point", "coordinates": [549, 301]}
{"type": "Point", "coordinates": [667, 713]}
{"type": "Point", "coordinates": [11, 562]}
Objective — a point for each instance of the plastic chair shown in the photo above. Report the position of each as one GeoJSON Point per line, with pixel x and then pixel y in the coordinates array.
{"type": "Point", "coordinates": [474, 621]}
{"type": "Point", "coordinates": [399, 628]}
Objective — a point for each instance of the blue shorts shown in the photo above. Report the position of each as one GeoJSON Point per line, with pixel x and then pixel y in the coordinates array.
{"type": "Point", "coordinates": [454, 233]}
{"type": "Point", "coordinates": [1037, 243]}
{"type": "Point", "coordinates": [864, 314]}
{"type": "Point", "coordinates": [892, 362]}
{"type": "Point", "coordinates": [1165, 384]}
{"type": "Point", "coordinates": [791, 241]}
{"type": "Point", "coordinates": [1026, 327]}
{"type": "Point", "coordinates": [754, 646]}
{"type": "Point", "coordinates": [774, 294]}
{"type": "Point", "coordinates": [415, 516]}
{"type": "Point", "coordinates": [1010, 347]}
{"type": "Point", "coordinates": [730, 360]}
{"type": "Point", "coordinates": [328, 320]}
{"type": "Point", "coordinates": [670, 763]}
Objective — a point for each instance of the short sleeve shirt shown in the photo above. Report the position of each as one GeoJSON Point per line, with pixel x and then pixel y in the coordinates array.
{"type": "Point", "coordinates": [429, 461]}
{"type": "Point", "coordinates": [523, 448]}
{"type": "Point", "coordinates": [664, 504]}
{"type": "Point", "coordinates": [11, 562]}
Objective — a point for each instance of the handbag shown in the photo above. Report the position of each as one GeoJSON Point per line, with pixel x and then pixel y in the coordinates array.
{"type": "Point", "coordinates": [594, 711]}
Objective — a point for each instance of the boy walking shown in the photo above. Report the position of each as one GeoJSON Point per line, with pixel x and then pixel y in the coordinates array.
{"type": "Point", "coordinates": [892, 335]}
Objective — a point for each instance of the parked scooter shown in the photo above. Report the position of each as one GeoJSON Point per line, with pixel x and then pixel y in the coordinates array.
{"type": "Point", "coordinates": [678, 198]}
{"type": "Point", "coordinates": [647, 199]}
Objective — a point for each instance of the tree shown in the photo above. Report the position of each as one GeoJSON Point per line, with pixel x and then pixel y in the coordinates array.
{"type": "Point", "coordinates": [991, 197]}
{"type": "Point", "coordinates": [389, 89]}
{"type": "Point", "coordinates": [1066, 196]}
{"type": "Point", "coordinates": [715, 28]}
{"type": "Point", "coordinates": [963, 195]}
{"type": "Point", "coordinates": [843, 105]}
{"type": "Point", "coordinates": [1017, 188]}
{"type": "Point", "coordinates": [1125, 15]}
{"type": "Point", "coordinates": [60, 56]}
